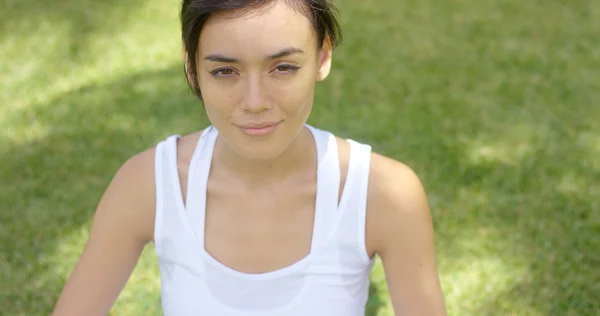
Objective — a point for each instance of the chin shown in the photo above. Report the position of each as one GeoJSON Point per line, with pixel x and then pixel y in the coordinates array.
{"type": "Point", "coordinates": [260, 148]}
{"type": "Point", "coordinates": [263, 151]}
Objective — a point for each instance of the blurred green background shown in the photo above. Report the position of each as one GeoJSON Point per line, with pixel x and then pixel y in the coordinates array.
{"type": "Point", "coordinates": [495, 104]}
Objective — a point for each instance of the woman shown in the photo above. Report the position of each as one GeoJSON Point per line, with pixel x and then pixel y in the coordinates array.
{"type": "Point", "coordinates": [260, 213]}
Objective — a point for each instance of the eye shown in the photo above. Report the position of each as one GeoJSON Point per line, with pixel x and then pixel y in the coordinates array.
{"type": "Point", "coordinates": [285, 69]}
{"type": "Point", "coordinates": [223, 72]}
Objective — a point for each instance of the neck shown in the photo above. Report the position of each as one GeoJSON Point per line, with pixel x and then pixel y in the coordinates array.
{"type": "Point", "coordinates": [298, 157]}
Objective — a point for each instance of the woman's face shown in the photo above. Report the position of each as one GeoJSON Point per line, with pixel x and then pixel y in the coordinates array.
{"type": "Point", "coordinates": [257, 73]}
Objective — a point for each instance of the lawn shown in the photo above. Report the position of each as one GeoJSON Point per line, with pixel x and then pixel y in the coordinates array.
{"type": "Point", "coordinates": [492, 103]}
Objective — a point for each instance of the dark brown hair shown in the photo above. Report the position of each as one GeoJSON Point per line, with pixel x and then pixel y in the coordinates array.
{"type": "Point", "coordinates": [195, 13]}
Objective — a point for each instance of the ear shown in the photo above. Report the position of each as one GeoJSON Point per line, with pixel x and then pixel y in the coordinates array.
{"type": "Point", "coordinates": [186, 64]}
{"type": "Point", "coordinates": [325, 57]}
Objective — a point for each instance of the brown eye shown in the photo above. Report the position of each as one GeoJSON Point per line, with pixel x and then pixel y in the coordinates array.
{"type": "Point", "coordinates": [223, 72]}
{"type": "Point", "coordinates": [286, 68]}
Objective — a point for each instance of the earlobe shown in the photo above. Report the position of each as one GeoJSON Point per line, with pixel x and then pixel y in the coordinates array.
{"type": "Point", "coordinates": [325, 58]}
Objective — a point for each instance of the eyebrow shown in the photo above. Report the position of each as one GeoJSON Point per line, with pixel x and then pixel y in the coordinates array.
{"type": "Point", "coordinates": [282, 53]}
{"type": "Point", "coordinates": [285, 52]}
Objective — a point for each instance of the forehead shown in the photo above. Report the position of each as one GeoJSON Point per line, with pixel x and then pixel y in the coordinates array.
{"type": "Point", "coordinates": [259, 31]}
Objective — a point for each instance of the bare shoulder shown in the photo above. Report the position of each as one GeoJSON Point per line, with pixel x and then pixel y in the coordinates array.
{"type": "Point", "coordinates": [391, 181]}
{"type": "Point", "coordinates": [130, 198]}
{"type": "Point", "coordinates": [396, 200]}
{"type": "Point", "coordinates": [400, 230]}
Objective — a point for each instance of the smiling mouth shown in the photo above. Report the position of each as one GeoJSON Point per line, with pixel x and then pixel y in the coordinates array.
{"type": "Point", "coordinates": [259, 129]}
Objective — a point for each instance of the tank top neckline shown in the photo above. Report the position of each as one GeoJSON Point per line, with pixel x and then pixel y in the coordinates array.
{"type": "Point", "coordinates": [327, 209]}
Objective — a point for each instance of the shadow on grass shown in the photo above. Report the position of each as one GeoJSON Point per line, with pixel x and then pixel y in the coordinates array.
{"type": "Point", "coordinates": [375, 301]}
{"type": "Point", "coordinates": [532, 219]}
{"type": "Point", "coordinates": [551, 222]}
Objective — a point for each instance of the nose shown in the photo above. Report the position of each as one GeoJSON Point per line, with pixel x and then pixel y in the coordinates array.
{"type": "Point", "coordinates": [255, 96]}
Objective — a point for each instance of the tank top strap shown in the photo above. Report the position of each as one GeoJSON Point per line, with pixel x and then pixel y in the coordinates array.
{"type": "Point", "coordinates": [168, 193]}
{"type": "Point", "coordinates": [198, 173]}
{"type": "Point", "coordinates": [170, 176]}
{"type": "Point", "coordinates": [159, 174]}
{"type": "Point", "coordinates": [170, 156]}
{"type": "Point", "coordinates": [328, 185]}
{"type": "Point", "coordinates": [358, 181]}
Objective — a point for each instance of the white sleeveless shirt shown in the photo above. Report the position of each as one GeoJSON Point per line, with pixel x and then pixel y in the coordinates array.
{"type": "Point", "coordinates": [332, 280]}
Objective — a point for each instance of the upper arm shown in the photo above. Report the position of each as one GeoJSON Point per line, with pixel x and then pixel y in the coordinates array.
{"type": "Point", "coordinates": [400, 231]}
{"type": "Point", "coordinates": [121, 227]}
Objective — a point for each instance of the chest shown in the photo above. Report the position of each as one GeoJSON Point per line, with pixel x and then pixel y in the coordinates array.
{"type": "Point", "coordinates": [256, 232]}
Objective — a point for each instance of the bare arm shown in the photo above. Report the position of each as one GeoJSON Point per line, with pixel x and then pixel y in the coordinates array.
{"type": "Point", "coordinates": [122, 225]}
{"type": "Point", "coordinates": [401, 231]}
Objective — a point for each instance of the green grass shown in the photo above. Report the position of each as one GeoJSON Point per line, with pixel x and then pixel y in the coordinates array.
{"type": "Point", "coordinates": [494, 103]}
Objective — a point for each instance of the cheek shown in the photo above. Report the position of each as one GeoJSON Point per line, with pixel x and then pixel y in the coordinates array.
{"type": "Point", "coordinates": [295, 95]}
{"type": "Point", "coordinates": [219, 99]}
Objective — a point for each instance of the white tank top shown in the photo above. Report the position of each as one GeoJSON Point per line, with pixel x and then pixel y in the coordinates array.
{"type": "Point", "coordinates": [332, 280]}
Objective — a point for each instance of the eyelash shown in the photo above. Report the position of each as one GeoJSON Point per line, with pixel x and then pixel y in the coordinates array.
{"type": "Point", "coordinates": [291, 68]}
{"type": "Point", "coordinates": [218, 72]}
